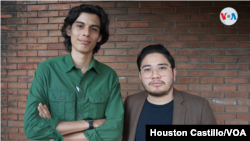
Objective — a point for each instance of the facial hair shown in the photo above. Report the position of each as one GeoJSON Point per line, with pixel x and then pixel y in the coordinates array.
{"type": "Point", "coordinates": [159, 94]}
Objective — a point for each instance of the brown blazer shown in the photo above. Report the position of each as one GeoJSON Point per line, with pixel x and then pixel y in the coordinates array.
{"type": "Point", "coordinates": [188, 109]}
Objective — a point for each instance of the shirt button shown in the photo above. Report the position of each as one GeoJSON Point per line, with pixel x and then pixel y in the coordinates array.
{"type": "Point", "coordinates": [80, 98]}
{"type": "Point", "coordinates": [79, 114]}
{"type": "Point", "coordinates": [61, 98]}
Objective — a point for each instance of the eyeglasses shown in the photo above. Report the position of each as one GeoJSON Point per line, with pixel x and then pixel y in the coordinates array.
{"type": "Point", "coordinates": [161, 70]}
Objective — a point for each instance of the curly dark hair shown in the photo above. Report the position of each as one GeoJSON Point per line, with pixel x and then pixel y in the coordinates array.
{"type": "Point", "coordinates": [74, 14]}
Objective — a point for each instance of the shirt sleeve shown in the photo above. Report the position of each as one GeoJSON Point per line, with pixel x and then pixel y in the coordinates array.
{"type": "Point", "coordinates": [112, 129]}
{"type": "Point", "coordinates": [35, 127]}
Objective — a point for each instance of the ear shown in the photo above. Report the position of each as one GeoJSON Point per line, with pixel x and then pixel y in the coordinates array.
{"type": "Point", "coordinates": [68, 30]}
{"type": "Point", "coordinates": [174, 72]}
{"type": "Point", "coordinates": [100, 38]}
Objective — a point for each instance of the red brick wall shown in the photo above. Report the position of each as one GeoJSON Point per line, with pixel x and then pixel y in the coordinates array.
{"type": "Point", "coordinates": [212, 60]}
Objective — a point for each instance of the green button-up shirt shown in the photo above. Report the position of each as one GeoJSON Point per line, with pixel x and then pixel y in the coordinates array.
{"type": "Point", "coordinates": [72, 96]}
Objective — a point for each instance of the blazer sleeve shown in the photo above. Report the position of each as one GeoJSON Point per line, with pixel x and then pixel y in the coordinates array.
{"type": "Point", "coordinates": [207, 114]}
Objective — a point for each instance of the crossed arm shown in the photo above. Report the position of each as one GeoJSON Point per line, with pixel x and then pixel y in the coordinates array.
{"type": "Point", "coordinates": [70, 130]}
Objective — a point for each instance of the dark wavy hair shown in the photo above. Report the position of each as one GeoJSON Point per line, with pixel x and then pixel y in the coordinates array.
{"type": "Point", "coordinates": [155, 49]}
{"type": "Point", "coordinates": [74, 14]}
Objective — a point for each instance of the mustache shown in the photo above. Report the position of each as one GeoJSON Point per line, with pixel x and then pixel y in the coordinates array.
{"type": "Point", "coordinates": [150, 83]}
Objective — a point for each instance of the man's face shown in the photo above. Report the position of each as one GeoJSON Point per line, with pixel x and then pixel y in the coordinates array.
{"type": "Point", "coordinates": [85, 33]}
{"type": "Point", "coordinates": [162, 78]}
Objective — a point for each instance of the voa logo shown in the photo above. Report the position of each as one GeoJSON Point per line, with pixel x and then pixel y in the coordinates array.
{"type": "Point", "coordinates": [228, 16]}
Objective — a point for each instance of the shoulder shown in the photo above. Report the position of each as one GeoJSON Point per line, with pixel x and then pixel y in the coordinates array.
{"type": "Point", "coordinates": [189, 99]}
{"type": "Point", "coordinates": [135, 97]}
{"type": "Point", "coordinates": [51, 62]}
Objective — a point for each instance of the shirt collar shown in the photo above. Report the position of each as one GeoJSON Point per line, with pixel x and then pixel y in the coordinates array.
{"type": "Point", "coordinates": [69, 64]}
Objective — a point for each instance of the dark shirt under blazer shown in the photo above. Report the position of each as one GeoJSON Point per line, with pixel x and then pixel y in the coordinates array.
{"type": "Point", "coordinates": [188, 110]}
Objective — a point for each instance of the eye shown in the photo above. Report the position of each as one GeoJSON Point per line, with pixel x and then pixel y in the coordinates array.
{"type": "Point", "coordinates": [79, 26]}
{"type": "Point", "coordinates": [147, 69]}
{"type": "Point", "coordinates": [94, 29]}
{"type": "Point", "coordinates": [162, 68]}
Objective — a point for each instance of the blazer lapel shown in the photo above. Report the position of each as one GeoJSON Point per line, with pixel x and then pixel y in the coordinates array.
{"type": "Point", "coordinates": [179, 110]}
{"type": "Point", "coordinates": [139, 103]}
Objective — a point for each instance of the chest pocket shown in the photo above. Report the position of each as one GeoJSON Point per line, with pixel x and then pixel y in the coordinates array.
{"type": "Point", "coordinates": [62, 105]}
{"type": "Point", "coordinates": [98, 102]}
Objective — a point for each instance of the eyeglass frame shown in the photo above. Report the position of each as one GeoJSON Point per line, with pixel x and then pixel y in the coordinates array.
{"type": "Point", "coordinates": [156, 70]}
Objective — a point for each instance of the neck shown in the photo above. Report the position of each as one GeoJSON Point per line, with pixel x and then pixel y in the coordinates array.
{"type": "Point", "coordinates": [82, 61]}
{"type": "Point", "coordinates": [162, 99]}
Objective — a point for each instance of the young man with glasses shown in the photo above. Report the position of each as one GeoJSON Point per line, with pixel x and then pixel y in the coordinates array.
{"type": "Point", "coordinates": [160, 103]}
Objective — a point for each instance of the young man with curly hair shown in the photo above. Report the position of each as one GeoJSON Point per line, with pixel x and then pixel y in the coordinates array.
{"type": "Point", "coordinates": [75, 97]}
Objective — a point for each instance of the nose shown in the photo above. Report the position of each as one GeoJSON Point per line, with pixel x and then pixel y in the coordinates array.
{"type": "Point", "coordinates": [155, 74]}
{"type": "Point", "coordinates": [86, 31]}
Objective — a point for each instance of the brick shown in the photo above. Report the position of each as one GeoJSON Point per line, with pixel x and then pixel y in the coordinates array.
{"type": "Point", "coordinates": [37, 46]}
{"type": "Point", "coordinates": [8, 15]}
{"type": "Point", "coordinates": [23, 91]}
{"type": "Point", "coordinates": [187, 24]}
{"type": "Point", "coordinates": [225, 59]}
{"type": "Point", "coordinates": [211, 10]}
{"type": "Point", "coordinates": [212, 94]}
{"type": "Point", "coordinates": [17, 98]}
{"type": "Point", "coordinates": [244, 73]}
{"type": "Point", "coordinates": [187, 80]}
{"type": "Point", "coordinates": [176, 17]}
{"type": "Point", "coordinates": [132, 66]}
{"type": "Point", "coordinates": [181, 73]}
{"type": "Point", "coordinates": [48, 40]}
{"type": "Point", "coordinates": [129, 87]}
{"type": "Point", "coordinates": [225, 73]}
{"type": "Point", "coordinates": [27, 66]}
{"type": "Point", "coordinates": [217, 108]}
{"type": "Point", "coordinates": [181, 59]}
{"type": "Point", "coordinates": [36, 59]}
{"type": "Point", "coordinates": [115, 52]}
{"type": "Point", "coordinates": [225, 45]}
{"type": "Point", "coordinates": [16, 123]}
{"type": "Point", "coordinates": [224, 88]}
{"type": "Point", "coordinates": [37, 33]}
{"type": "Point", "coordinates": [176, 3]}
{"type": "Point", "coordinates": [17, 85]}
{"type": "Point", "coordinates": [9, 130]}
{"type": "Point", "coordinates": [163, 38]}
{"type": "Point", "coordinates": [212, 80]}
{"type": "Point", "coordinates": [8, 2]}
{"type": "Point", "coordinates": [187, 66]}
{"type": "Point", "coordinates": [17, 21]}
{"type": "Point", "coordinates": [138, 38]}
{"type": "Point", "coordinates": [37, 7]}
{"type": "Point", "coordinates": [243, 59]}
{"type": "Point", "coordinates": [212, 66]}
{"type": "Point", "coordinates": [243, 116]}
{"type": "Point", "coordinates": [238, 109]}
{"type": "Point", "coordinates": [26, 2]}
{"type": "Point", "coordinates": [9, 79]}
{"type": "Point", "coordinates": [200, 3]}
{"type": "Point", "coordinates": [17, 34]}
{"type": "Point", "coordinates": [225, 115]}
{"type": "Point", "coordinates": [106, 4]}
{"type": "Point", "coordinates": [26, 40]}
{"type": "Point", "coordinates": [127, 73]}
{"type": "Point", "coordinates": [163, 24]}
{"type": "Point", "coordinates": [37, 20]}
{"type": "Point", "coordinates": [151, 17]}
{"type": "Point", "coordinates": [17, 60]}
{"type": "Point", "coordinates": [63, 52]}
{"type": "Point", "coordinates": [176, 45]}
{"type": "Point", "coordinates": [180, 87]}
{"type": "Point", "coordinates": [134, 51]}
{"type": "Point", "coordinates": [187, 10]}
{"type": "Point", "coordinates": [236, 66]}
{"type": "Point", "coordinates": [200, 31]}
{"type": "Point", "coordinates": [200, 73]}
{"type": "Point", "coordinates": [243, 88]}
{"type": "Point", "coordinates": [138, 10]}
{"type": "Point", "coordinates": [8, 117]}
{"type": "Point", "coordinates": [244, 31]}
{"type": "Point", "coordinates": [105, 59]}
{"type": "Point", "coordinates": [236, 80]}
{"type": "Point", "coordinates": [57, 20]}
{"type": "Point", "coordinates": [152, 31]}
{"type": "Point", "coordinates": [126, 59]}
{"type": "Point", "coordinates": [16, 72]}
{"type": "Point", "coordinates": [200, 87]}
{"type": "Point", "coordinates": [27, 27]}
{"type": "Point", "coordinates": [48, 53]}
{"type": "Point", "coordinates": [236, 95]}
{"type": "Point", "coordinates": [116, 11]}
{"type": "Point", "coordinates": [4, 85]}
{"type": "Point", "coordinates": [127, 45]}
{"type": "Point", "coordinates": [201, 17]}
{"type": "Point", "coordinates": [8, 27]}
{"type": "Point", "coordinates": [245, 102]}
{"type": "Point", "coordinates": [127, 4]}
{"type": "Point", "coordinates": [117, 65]}
{"type": "Point", "coordinates": [47, 1]}
{"type": "Point", "coordinates": [117, 39]}
{"type": "Point", "coordinates": [244, 45]}
{"type": "Point", "coordinates": [9, 53]}
{"type": "Point", "coordinates": [163, 10]}
{"type": "Point", "coordinates": [225, 31]}
{"type": "Point", "coordinates": [212, 38]}
{"type": "Point", "coordinates": [236, 122]}
{"type": "Point", "coordinates": [187, 52]}
{"type": "Point", "coordinates": [49, 13]}
{"type": "Point", "coordinates": [127, 18]}
{"type": "Point", "coordinates": [211, 52]}
{"type": "Point", "coordinates": [151, 3]}
{"type": "Point", "coordinates": [187, 38]}
{"type": "Point", "coordinates": [26, 14]}
{"type": "Point", "coordinates": [127, 31]}
{"type": "Point", "coordinates": [47, 26]}
{"type": "Point", "coordinates": [138, 24]}
{"type": "Point", "coordinates": [56, 46]}
{"type": "Point", "coordinates": [55, 33]}
{"type": "Point", "coordinates": [8, 41]}
{"type": "Point", "coordinates": [9, 66]}
{"type": "Point", "coordinates": [237, 37]}
{"type": "Point", "coordinates": [16, 8]}
{"type": "Point", "coordinates": [59, 6]}
{"type": "Point", "coordinates": [224, 102]}
{"type": "Point", "coordinates": [212, 24]}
